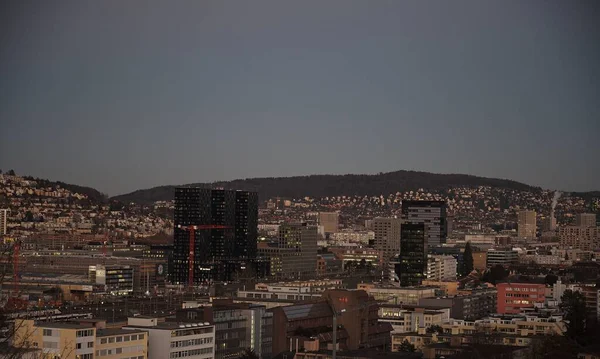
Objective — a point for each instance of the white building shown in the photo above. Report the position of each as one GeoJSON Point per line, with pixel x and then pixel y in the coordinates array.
{"type": "Point", "coordinates": [171, 340]}
{"type": "Point", "coordinates": [412, 319]}
{"type": "Point", "coordinates": [441, 268]}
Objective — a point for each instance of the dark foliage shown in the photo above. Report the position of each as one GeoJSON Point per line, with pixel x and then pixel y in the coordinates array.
{"type": "Point", "coordinates": [495, 274]}
{"type": "Point", "coordinates": [573, 305]}
{"type": "Point", "coordinates": [335, 185]}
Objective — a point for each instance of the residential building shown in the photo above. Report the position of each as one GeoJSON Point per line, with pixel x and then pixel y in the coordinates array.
{"type": "Point", "coordinates": [579, 237]}
{"type": "Point", "coordinates": [330, 221]}
{"type": "Point", "coordinates": [504, 257]}
{"type": "Point", "coordinates": [346, 255]}
{"type": "Point", "coordinates": [117, 280]}
{"type": "Point", "coordinates": [405, 319]}
{"type": "Point", "coordinates": [413, 255]}
{"type": "Point", "coordinates": [121, 344]}
{"type": "Point", "coordinates": [387, 237]}
{"type": "Point", "coordinates": [56, 339]}
{"type": "Point", "coordinates": [441, 268]}
{"type": "Point", "coordinates": [224, 227]}
{"type": "Point", "coordinates": [3, 219]}
{"type": "Point", "coordinates": [456, 252]}
{"type": "Point", "coordinates": [513, 297]}
{"type": "Point", "coordinates": [522, 325]}
{"type": "Point", "coordinates": [396, 295]}
{"type": "Point", "coordinates": [170, 340]}
{"type": "Point", "coordinates": [430, 213]}
{"type": "Point", "coordinates": [527, 227]}
{"type": "Point", "coordinates": [477, 304]}
{"type": "Point", "coordinates": [585, 220]}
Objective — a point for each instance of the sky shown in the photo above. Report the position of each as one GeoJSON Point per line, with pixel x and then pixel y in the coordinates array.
{"type": "Point", "coordinates": [125, 95]}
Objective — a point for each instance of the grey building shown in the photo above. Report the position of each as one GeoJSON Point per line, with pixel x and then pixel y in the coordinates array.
{"type": "Point", "coordinates": [475, 305]}
{"type": "Point", "coordinates": [432, 214]}
{"type": "Point", "coordinates": [505, 257]}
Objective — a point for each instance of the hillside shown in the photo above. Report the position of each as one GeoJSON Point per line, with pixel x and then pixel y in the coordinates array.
{"type": "Point", "coordinates": [335, 185]}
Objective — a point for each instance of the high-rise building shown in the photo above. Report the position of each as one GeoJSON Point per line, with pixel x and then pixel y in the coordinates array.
{"type": "Point", "coordinates": [330, 221]}
{"type": "Point", "coordinates": [413, 254]}
{"type": "Point", "coordinates": [224, 237]}
{"type": "Point", "coordinates": [299, 241]}
{"type": "Point", "coordinates": [387, 237]}
{"type": "Point", "coordinates": [527, 224]}
{"type": "Point", "coordinates": [432, 214]}
{"type": "Point", "coordinates": [3, 218]}
{"type": "Point", "coordinates": [585, 220]}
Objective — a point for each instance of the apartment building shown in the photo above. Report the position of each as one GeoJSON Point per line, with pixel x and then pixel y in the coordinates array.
{"type": "Point", "coordinates": [405, 319]}
{"type": "Point", "coordinates": [477, 304]}
{"type": "Point", "coordinates": [579, 237]}
{"type": "Point", "coordinates": [527, 226]}
{"type": "Point", "coordinates": [387, 237]}
{"type": "Point", "coordinates": [522, 325]}
{"type": "Point", "coordinates": [441, 268]}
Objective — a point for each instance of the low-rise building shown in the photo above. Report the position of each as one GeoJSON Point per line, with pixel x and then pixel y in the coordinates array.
{"type": "Point", "coordinates": [504, 257]}
{"type": "Point", "coordinates": [58, 340]}
{"type": "Point", "coordinates": [477, 304]}
{"type": "Point", "coordinates": [170, 340]}
{"type": "Point", "coordinates": [405, 319]}
{"type": "Point", "coordinates": [397, 295]}
{"type": "Point", "coordinates": [121, 344]}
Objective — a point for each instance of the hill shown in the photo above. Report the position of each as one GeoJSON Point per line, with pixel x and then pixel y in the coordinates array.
{"type": "Point", "coordinates": [93, 194]}
{"type": "Point", "coordinates": [335, 185]}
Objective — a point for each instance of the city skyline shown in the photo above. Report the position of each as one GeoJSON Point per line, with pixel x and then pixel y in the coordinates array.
{"type": "Point", "coordinates": [121, 97]}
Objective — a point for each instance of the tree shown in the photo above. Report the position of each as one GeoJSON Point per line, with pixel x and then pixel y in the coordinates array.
{"type": "Point", "coordinates": [573, 305]}
{"type": "Point", "coordinates": [249, 354]}
{"type": "Point", "coordinates": [468, 259]}
{"type": "Point", "coordinates": [551, 279]}
{"type": "Point", "coordinates": [434, 329]}
{"type": "Point", "coordinates": [495, 274]}
{"type": "Point", "coordinates": [11, 173]}
{"type": "Point", "coordinates": [407, 347]}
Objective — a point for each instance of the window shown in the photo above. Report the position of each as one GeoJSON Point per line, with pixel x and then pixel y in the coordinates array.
{"type": "Point", "coordinates": [78, 346]}
{"type": "Point", "coordinates": [126, 338]}
{"type": "Point", "coordinates": [119, 339]}
{"type": "Point", "coordinates": [90, 344]}
{"type": "Point", "coordinates": [103, 341]}
{"type": "Point", "coordinates": [111, 339]}
{"type": "Point", "coordinates": [47, 332]}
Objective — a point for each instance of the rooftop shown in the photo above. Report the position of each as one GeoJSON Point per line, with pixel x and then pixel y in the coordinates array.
{"type": "Point", "coordinates": [116, 331]}
{"type": "Point", "coordinates": [64, 325]}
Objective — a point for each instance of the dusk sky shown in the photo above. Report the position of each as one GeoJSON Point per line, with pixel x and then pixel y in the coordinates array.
{"type": "Point", "coordinates": [125, 95]}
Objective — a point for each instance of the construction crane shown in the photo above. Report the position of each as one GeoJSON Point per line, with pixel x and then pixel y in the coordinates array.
{"type": "Point", "coordinates": [191, 229]}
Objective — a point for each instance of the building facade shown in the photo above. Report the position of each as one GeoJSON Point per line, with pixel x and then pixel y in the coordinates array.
{"type": "Point", "coordinates": [330, 221]}
{"type": "Point", "coordinates": [433, 214]}
{"type": "Point", "coordinates": [171, 340]}
{"type": "Point", "coordinates": [413, 255]}
{"type": "Point", "coordinates": [504, 257]}
{"type": "Point", "coordinates": [513, 297]}
{"type": "Point", "coordinates": [300, 240]}
{"type": "Point", "coordinates": [387, 237]}
{"type": "Point", "coordinates": [224, 225]}
{"type": "Point", "coordinates": [527, 226]}
{"type": "Point", "coordinates": [585, 220]}
{"type": "Point", "coordinates": [3, 219]}
{"type": "Point", "coordinates": [441, 268]}
{"type": "Point", "coordinates": [579, 237]}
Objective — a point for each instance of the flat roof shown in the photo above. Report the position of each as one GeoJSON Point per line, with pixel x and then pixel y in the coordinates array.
{"type": "Point", "coordinates": [116, 331]}
{"type": "Point", "coordinates": [170, 326]}
{"type": "Point", "coordinates": [64, 325]}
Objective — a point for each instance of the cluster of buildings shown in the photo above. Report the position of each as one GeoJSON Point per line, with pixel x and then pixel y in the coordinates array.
{"type": "Point", "coordinates": [299, 279]}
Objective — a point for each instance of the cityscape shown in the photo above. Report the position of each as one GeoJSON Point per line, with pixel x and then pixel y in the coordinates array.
{"type": "Point", "coordinates": [299, 180]}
